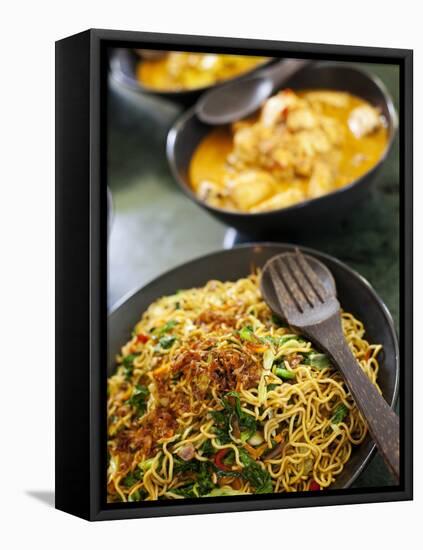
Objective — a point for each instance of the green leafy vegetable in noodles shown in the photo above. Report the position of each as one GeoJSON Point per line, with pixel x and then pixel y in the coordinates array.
{"type": "Point", "coordinates": [132, 478]}
{"type": "Point", "coordinates": [246, 333]}
{"type": "Point", "coordinates": [168, 326]}
{"type": "Point", "coordinates": [139, 399]}
{"type": "Point", "coordinates": [285, 374]}
{"type": "Point", "coordinates": [128, 365]}
{"type": "Point", "coordinates": [167, 342]}
{"type": "Point", "coordinates": [200, 485]}
{"type": "Point", "coordinates": [318, 360]}
{"type": "Point", "coordinates": [258, 477]}
{"type": "Point", "coordinates": [223, 419]}
{"type": "Point", "coordinates": [340, 413]}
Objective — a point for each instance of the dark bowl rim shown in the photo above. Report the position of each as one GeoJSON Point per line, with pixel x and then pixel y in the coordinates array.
{"type": "Point", "coordinates": [135, 85]}
{"type": "Point", "coordinates": [190, 113]}
{"type": "Point", "coordinates": [307, 250]}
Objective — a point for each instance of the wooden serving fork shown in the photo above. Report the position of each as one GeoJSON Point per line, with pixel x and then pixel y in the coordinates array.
{"type": "Point", "coordinates": [301, 290]}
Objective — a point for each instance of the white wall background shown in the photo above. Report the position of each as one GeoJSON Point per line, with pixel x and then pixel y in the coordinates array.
{"type": "Point", "coordinates": [28, 32]}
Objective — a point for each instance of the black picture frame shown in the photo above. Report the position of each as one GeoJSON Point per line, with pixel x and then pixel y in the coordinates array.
{"type": "Point", "coordinates": [81, 274]}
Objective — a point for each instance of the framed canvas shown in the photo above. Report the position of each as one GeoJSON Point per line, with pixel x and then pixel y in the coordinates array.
{"type": "Point", "coordinates": [233, 274]}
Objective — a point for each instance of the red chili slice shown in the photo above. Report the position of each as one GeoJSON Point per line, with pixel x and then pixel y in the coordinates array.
{"type": "Point", "coordinates": [143, 338]}
{"type": "Point", "coordinates": [218, 460]}
{"type": "Point", "coordinates": [314, 486]}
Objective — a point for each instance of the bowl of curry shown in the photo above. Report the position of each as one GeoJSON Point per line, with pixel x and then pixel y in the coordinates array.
{"type": "Point", "coordinates": [179, 76]}
{"type": "Point", "coordinates": [307, 155]}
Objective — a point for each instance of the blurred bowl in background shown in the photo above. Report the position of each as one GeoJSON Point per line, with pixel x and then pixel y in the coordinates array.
{"type": "Point", "coordinates": [123, 69]}
{"type": "Point", "coordinates": [188, 131]}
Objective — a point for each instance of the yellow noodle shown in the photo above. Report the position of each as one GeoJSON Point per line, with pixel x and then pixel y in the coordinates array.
{"type": "Point", "coordinates": [176, 374]}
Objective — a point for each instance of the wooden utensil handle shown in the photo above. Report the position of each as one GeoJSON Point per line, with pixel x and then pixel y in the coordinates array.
{"type": "Point", "coordinates": [382, 421]}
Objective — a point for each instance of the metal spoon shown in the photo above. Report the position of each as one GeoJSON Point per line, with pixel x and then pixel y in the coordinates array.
{"type": "Point", "coordinates": [239, 99]}
{"type": "Point", "coordinates": [301, 290]}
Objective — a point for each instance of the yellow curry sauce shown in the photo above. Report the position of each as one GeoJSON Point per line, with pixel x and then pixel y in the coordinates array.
{"type": "Point", "coordinates": [299, 146]}
{"type": "Point", "coordinates": [186, 71]}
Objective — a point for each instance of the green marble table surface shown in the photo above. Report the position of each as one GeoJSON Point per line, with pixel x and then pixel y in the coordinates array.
{"type": "Point", "coordinates": [155, 227]}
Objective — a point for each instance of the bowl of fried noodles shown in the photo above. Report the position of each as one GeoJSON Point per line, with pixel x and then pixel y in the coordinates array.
{"type": "Point", "coordinates": [210, 395]}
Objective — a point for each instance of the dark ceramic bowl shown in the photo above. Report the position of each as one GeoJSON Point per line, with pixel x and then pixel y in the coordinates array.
{"type": "Point", "coordinates": [355, 294]}
{"type": "Point", "coordinates": [123, 62]}
{"type": "Point", "coordinates": [187, 133]}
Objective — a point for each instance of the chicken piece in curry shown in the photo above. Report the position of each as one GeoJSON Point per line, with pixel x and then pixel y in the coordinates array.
{"type": "Point", "coordinates": [176, 71]}
{"type": "Point", "coordinates": [300, 146]}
